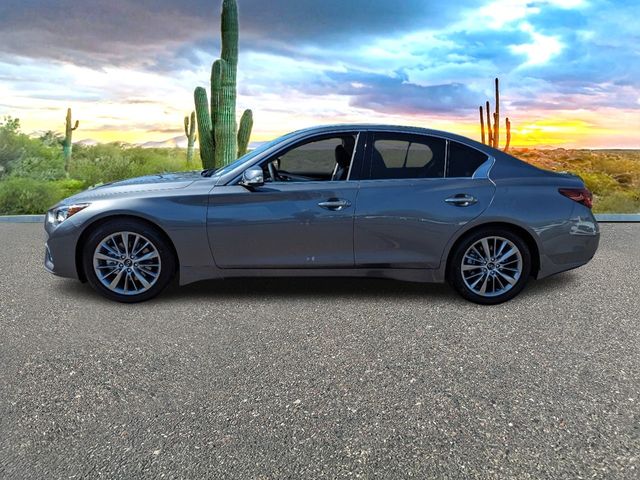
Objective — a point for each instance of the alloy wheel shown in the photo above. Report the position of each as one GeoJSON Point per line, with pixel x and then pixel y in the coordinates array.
{"type": "Point", "coordinates": [127, 263]}
{"type": "Point", "coordinates": [491, 266]}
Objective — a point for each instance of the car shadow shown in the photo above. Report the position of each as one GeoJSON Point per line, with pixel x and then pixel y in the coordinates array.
{"type": "Point", "coordinates": [310, 287]}
{"type": "Point", "coordinates": [307, 287]}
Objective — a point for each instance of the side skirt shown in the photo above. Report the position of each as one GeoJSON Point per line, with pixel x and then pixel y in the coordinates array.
{"type": "Point", "coordinates": [420, 275]}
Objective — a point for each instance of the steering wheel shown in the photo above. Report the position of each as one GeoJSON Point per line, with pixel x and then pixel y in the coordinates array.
{"type": "Point", "coordinates": [273, 172]}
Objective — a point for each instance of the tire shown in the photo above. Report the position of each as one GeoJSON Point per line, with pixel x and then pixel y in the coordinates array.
{"type": "Point", "coordinates": [505, 276]}
{"type": "Point", "coordinates": [104, 249]}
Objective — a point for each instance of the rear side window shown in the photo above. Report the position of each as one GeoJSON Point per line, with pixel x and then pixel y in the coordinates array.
{"type": "Point", "coordinates": [397, 156]}
{"type": "Point", "coordinates": [463, 160]}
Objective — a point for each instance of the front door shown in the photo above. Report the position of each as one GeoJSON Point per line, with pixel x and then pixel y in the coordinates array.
{"type": "Point", "coordinates": [302, 217]}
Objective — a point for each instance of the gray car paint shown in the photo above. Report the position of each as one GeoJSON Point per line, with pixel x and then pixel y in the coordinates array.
{"type": "Point", "coordinates": [393, 228]}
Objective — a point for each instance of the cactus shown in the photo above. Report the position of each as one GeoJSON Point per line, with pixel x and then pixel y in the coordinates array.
{"type": "Point", "coordinates": [220, 139]}
{"type": "Point", "coordinates": [496, 119]}
{"type": "Point", "coordinates": [190, 132]}
{"type": "Point", "coordinates": [493, 124]}
{"type": "Point", "coordinates": [490, 137]}
{"type": "Point", "coordinates": [508, 143]}
{"type": "Point", "coordinates": [244, 132]}
{"type": "Point", "coordinates": [67, 144]}
{"type": "Point", "coordinates": [482, 125]}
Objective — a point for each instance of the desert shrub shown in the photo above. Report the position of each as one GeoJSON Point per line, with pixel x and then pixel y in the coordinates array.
{"type": "Point", "coordinates": [598, 183]}
{"type": "Point", "coordinates": [67, 187]}
{"type": "Point", "coordinates": [27, 195]}
{"type": "Point", "coordinates": [106, 163]}
{"type": "Point", "coordinates": [24, 156]}
{"type": "Point", "coordinates": [43, 165]}
{"type": "Point", "coordinates": [30, 196]}
{"type": "Point", "coordinates": [156, 160]}
{"type": "Point", "coordinates": [618, 202]}
{"type": "Point", "coordinates": [100, 164]}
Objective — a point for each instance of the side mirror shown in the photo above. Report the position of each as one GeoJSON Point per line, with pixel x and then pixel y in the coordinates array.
{"type": "Point", "coordinates": [252, 177]}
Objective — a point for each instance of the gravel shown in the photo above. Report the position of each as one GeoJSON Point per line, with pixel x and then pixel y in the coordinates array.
{"type": "Point", "coordinates": [320, 378]}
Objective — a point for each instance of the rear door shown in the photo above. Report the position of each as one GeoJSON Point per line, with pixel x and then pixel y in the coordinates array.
{"type": "Point", "coordinates": [416, 192]}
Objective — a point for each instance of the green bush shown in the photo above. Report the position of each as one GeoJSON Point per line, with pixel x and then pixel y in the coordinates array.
{"type": "Point", "coordinates": [598, 183]}
{"type": "Point", "coordinates": [23, 156]}
{"type": "Point", "coordinates": [107, 163]}
{"type": "Point", "coordinates": [26, 196]}
{"type": "Point", "coordinates": [68, 186]}
{"type": "Point", "coordinates": [20, 196]}
{"type": "Point", "coordinates": [44, 166]}
{"type": "Point", "coordinates": [618, 202]}
{"type": "Point", "coordinates": [99, 164]}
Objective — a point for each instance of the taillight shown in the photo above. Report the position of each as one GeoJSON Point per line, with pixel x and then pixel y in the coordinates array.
{"type": "Point", "coordinates": [580, 195]}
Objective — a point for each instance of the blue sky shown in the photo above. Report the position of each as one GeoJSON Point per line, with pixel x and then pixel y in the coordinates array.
{"type": "Point", "coordinates": [570, 69]}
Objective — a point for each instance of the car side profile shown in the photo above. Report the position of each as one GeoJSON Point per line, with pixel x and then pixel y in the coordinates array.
{"type": "Point", "coordinates": [350, 200]}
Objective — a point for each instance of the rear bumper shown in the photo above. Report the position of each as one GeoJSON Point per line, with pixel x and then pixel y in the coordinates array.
{"type": "Point", "coordinates": [575, 245]}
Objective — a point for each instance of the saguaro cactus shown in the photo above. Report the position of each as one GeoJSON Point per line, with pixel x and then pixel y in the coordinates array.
{"type": "Point", "coordinates": [67, 144]}
{"type": "Point", "coordinates": [244, 132]}
{"type": "Point", "coordinates": [493, 127]}
{"type": "Point", "coordinates": [190, 132]}
{"type": "Point", "coordinates": [220, 139]}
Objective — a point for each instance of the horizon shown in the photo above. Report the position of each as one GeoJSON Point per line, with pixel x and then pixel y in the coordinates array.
{"type": "Point", "coordinates": [569, 75]}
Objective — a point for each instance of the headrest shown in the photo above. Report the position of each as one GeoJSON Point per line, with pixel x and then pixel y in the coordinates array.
{"type": "Point", "coordinates": [342, 156]}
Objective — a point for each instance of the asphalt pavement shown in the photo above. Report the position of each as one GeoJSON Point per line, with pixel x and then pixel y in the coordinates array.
{"type": "Point", "coordinates": [320, 378]}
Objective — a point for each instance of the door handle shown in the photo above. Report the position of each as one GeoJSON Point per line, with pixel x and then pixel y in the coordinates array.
{"type": "Point", "coordinates": [461, 200]}
{"type": "Point", "coordinates": [335, 204]}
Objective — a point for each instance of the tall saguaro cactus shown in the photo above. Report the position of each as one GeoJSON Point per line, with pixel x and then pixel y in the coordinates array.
{"type": "Point", "coordinates": [220, 139]}
{"type": "Point", "coordinates": [493, 128]}
{"type": "Point", "coordinates": [190, 132]}
{"type": "Point", "coordinates": [67, 144]}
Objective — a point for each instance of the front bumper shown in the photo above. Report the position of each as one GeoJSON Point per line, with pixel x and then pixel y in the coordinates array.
{"type": "Point", "coordinates": [60, 249]}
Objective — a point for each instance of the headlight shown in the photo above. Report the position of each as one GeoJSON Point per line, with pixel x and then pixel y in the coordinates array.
{"type": "Point", "coordinates": [56, 216]}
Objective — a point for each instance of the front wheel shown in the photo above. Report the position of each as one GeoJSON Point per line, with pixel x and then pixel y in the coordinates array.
{"type": "Point", "coordinates": [128, 261]}
{"type": "Point", "coordinates": [490, 266]}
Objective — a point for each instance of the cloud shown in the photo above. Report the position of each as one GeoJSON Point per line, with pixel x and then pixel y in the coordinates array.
{"type": "Point", "coordinates": [125, 32]}
{"type": "Point", "coordinates": [321, 60]}
{"type": "Point", "coordinates": [395, 94]}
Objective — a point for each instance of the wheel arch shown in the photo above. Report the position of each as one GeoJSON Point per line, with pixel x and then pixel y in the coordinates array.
{"type": "Point", "coordinates": [527, 236]}
{"type": "Point", "coordinates": [102, 220]}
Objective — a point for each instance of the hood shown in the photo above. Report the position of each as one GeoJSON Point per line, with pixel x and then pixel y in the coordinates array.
{"type": "Point", "coordinates": [147, 183]}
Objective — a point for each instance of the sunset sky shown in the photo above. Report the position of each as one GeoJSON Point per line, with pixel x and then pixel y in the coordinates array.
{"type": "Point", "coordinates": [570, 69]}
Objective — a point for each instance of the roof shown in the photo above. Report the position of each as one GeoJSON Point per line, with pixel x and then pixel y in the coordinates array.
{"type": "Point", "coordinates": [398, 128]}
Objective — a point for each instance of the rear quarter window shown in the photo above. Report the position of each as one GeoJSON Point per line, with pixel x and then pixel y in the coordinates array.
{"type": "Point", "coordinates": [463, 160]}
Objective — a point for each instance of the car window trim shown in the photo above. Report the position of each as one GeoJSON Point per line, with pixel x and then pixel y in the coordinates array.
{"type": "Point", "coordinates": [481, 172]}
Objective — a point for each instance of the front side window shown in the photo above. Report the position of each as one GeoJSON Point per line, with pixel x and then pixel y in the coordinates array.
{"type": "Point", "coordinates": [326, 159]}
{"type": "Point", "coordinates": [463, 160]}
{"type": "Point", "coordinates": [397, 156]}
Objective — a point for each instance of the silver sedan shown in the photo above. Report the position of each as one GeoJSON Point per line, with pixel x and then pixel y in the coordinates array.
{"type": "Point", "coordinates": [351, 200]}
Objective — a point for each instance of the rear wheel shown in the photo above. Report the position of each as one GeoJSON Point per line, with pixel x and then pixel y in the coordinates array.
{"type": "Point", "coordinates": [490, 266]}
{"type": "Point", "coordinates": [128, 261]}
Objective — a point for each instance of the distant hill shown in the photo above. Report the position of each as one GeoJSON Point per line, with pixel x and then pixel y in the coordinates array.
{"type": "Point", "coordinates": [175, 142]}
{"type": "Point", "coordinates": [88, 142]}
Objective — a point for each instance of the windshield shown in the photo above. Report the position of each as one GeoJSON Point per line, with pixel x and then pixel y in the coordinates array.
{"type": "Point", "coordinates": [250, 155]}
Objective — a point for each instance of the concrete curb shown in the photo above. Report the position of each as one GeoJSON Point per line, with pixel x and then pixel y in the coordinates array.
{"type": "Point", "coordinates": [21, 218]}
{"type": "Point", "coordinates": [601, 217]}
{"type": "Point", "coordinates": [618, 217]}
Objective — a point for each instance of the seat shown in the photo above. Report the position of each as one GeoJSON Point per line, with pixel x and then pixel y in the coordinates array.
{"type": "Point", "coordinates": [378, 168]}
{"type": "Point", "coordinates": [343, 160]}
